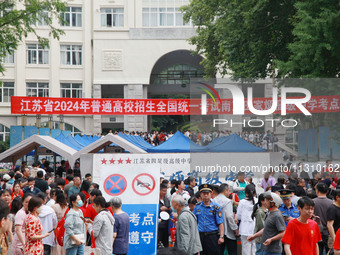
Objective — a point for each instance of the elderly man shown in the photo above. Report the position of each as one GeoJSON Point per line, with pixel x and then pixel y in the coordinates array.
{"type": "Point", "coordinates": [187, 236]}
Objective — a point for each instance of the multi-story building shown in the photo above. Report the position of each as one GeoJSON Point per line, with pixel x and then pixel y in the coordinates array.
{"type": "Point", "coordinates": [110, 49]}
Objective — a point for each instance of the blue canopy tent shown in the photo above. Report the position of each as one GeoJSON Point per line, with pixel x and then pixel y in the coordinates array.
{"type": "Point", "coordinates": [82, 140]}
{"type": "Point", "coordinates": [235, 144]}
{"type": "Point", "coordinates": [197, 148]}
{"type": "Point", "coordinates": [137, 140]}
{"type": "Point", "coordinates": [217, 141]}
{"type": "Point", "coordinates": [73, 144]}
{"type": "Point", "coordinates": [177, 143]}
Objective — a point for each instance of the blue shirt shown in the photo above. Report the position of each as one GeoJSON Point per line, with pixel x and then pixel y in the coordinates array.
{"type": "Point", "coordinates": [208, 217]}
{"type": "Point", "coordinates": [73, 190]}
{"type": "Point", "coordinates": [293, 211]}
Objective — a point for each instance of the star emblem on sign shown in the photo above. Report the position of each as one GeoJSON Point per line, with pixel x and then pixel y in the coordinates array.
{"type": "Point", "coordinates": [112, 161]}
{"type": "Point", "coordinates": [128, 161]}
{"type": "Point", "coordinates": [104, 161]}
{"type": "Point", "coordinates": [120, 161]}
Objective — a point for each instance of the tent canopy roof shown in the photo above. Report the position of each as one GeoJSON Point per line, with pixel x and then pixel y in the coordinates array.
{"type": "Point", "coordinates": [107, 140]}
{"type": "Point", "coordinates": [29, 144]}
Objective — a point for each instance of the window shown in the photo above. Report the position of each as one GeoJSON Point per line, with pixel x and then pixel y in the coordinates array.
{"type": "Point", "coordinates": [42, 16]}
{"type": "Point", "coordinates": [179, 74]}
{"type": "Point", "coordinates": [71, 55]}
{"type": "Point", "coordinates": [37, 89]}
{"type": "Point", "coordinates": [72, 17]}
{"type": "Point", "coordinates": [158, 13]}
{"type": "Point", "coordinates": [72, 90]}
{"type": "Point", "coordinates": [56, 125]}
{"type": "Point", "coordinates": [8, 59]}
{"type": "Point", "coordinates": [112, 17]}
{"type": "Point", "coordinates": [36, 54]}
{"type": "Point", "coordinates": [4, 133]}
{"type": "Point", "coordinates": [6, 91]}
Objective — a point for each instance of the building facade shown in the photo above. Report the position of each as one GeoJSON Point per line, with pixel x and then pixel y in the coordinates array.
{"type": "Point", "coordinates": [110, 49]}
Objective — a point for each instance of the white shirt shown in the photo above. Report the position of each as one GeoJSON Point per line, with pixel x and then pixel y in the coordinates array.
{"type": "Point", "coordinates": [244, 211]}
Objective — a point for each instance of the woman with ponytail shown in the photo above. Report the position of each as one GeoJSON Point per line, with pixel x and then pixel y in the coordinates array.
{"type": "Point", "coordinates": [260, 214]}
{"type": "Point", "coordinates": [75, 231]}
{"type": "Point", "coordinates": [102, 226]}
{"type": "Point", "coordinates": [247, 225]}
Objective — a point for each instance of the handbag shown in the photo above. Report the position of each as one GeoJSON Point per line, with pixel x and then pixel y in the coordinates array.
{"type": "Point", "coordinates": [92, 250]}
{"type": "Point", "coordinates": [80, 237]}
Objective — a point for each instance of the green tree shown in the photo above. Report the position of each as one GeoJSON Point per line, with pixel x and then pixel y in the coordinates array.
{"type": "Point", "coordinates": [18, 19]}
{"type": "Point", "coordinates": [315, 51]}
{"type": "Point", "coordinates": [254, 39]}
{"type": "Point", "coordinates": [241, 38]}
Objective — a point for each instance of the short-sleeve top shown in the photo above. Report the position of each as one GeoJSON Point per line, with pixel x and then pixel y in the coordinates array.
{"type": "Point", "coordinates": [33, 227]}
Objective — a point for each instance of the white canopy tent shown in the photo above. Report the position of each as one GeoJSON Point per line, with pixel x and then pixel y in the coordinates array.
{"type": "Point", "coordinates": [107, 140]}
{"type": "Point", "coordinates": [31, 143]}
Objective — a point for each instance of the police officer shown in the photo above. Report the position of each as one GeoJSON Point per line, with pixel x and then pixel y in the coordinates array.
{"type": "Point", "coordinates": [288, 209]}
{"type": "Point", "coordinates": [210, 222]}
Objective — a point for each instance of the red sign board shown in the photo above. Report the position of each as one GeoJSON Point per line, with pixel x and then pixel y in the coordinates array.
{"type": "Point", "coordinates": [94, 106]}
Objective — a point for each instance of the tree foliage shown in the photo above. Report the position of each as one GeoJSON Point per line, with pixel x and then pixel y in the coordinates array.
{"type": "Point", "coordinates": [267, 38]}
{"type": "Point", "coordinates": [18, 19]}
{"type": "Point", "coordinates": [241, 38]}
{"type": "Point", "coordinates": [254, 39]}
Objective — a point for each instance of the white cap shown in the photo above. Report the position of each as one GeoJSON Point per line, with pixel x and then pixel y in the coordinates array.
{"type": "Point", "coordinates": [6, 177]}
{"type": "Point", "coordinates": [186, 198]}
{"type": "Point", "coordinates": [273, 197]}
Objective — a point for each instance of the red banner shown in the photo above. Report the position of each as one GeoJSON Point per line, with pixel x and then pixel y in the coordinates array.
{"type": "Point", "coordinates": [93, 106]}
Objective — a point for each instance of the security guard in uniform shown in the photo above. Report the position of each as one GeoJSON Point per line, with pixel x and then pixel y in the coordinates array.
{"type": "Point", "coordinates": [210, 222]}
{"type": "Point", "coordinates": [288, 209]}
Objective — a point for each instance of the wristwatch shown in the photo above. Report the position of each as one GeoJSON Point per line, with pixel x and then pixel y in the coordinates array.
{"type": "Point", "coordinates": [221, 236]}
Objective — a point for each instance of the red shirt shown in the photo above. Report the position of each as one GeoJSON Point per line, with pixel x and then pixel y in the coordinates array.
{"type": "Point", "coordinates": [337, 240]}
{"type": "Point", "coordinates": [14, 195]}
{"type": "Point", "coordinates": [91, 212]}
{"type": "Point", "coordinates": [302, 238]}
{"type": "Point", "coordinates": [86, 194]}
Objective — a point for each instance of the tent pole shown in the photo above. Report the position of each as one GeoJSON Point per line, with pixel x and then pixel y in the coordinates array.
{"type": "Point", "coordinates": [55, 163]}
{"type": "Point", "coordinates": [36, 154]}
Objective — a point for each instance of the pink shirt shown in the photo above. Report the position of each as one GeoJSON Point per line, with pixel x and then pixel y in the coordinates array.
{"type": "Point", "coordinates": [271, 182]}
{"type": "Point", "coordinates": [20, 219]}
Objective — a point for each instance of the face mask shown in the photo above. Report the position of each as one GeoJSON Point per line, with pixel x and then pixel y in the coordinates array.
{"type": "Point", "coordinates": [39, 210]}
{"type": "Point", "coordinates": [173, 209]}
{"type": "Point", "coordinates": [80, 203]}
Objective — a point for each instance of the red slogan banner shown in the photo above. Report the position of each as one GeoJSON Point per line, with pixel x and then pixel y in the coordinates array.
{"type": "Point", "coordinates": [94, 106]}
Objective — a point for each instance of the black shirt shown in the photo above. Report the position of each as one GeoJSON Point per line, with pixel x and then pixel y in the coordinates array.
{"type": "Point", "coordinates": [190, 191]}
{"type": "Point", "coordinates": [60, 171]}
{"type": "Point", "coordinates": [300, 192]}
{"type": "Point", "coordinates": [41, 184]}
{"type": "Point", "coordinates": [166, 203]}
{"type": "Point", "coordinates": [333, 213]}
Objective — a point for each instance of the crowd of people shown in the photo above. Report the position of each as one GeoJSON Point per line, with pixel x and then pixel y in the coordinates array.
{"type": "Point", "coordinates": [268, 140]}
{"type": "Point", "coordinates": [39, 215]}
{"type": "Point", "coordinates": [294, 215]}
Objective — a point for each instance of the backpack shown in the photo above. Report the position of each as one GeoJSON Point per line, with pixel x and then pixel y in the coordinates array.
{"type": "Point", "coordinates": [60, 229]}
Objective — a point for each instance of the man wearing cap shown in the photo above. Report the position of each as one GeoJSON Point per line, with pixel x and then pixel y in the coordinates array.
{"type": "Point", "coordinates": [210, 222]}
{"type": "Point", "coordinates": [274, 226]}
{"type": "Point", "coordinates": [288, 210]}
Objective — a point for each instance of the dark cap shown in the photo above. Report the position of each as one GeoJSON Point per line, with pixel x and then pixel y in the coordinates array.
{"type": "Point", "coordinates": [205, 188]}
{"type": "Point", "coordinates": [285, 193]}
{"type": "Point", "coordinates": [275, 188]}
